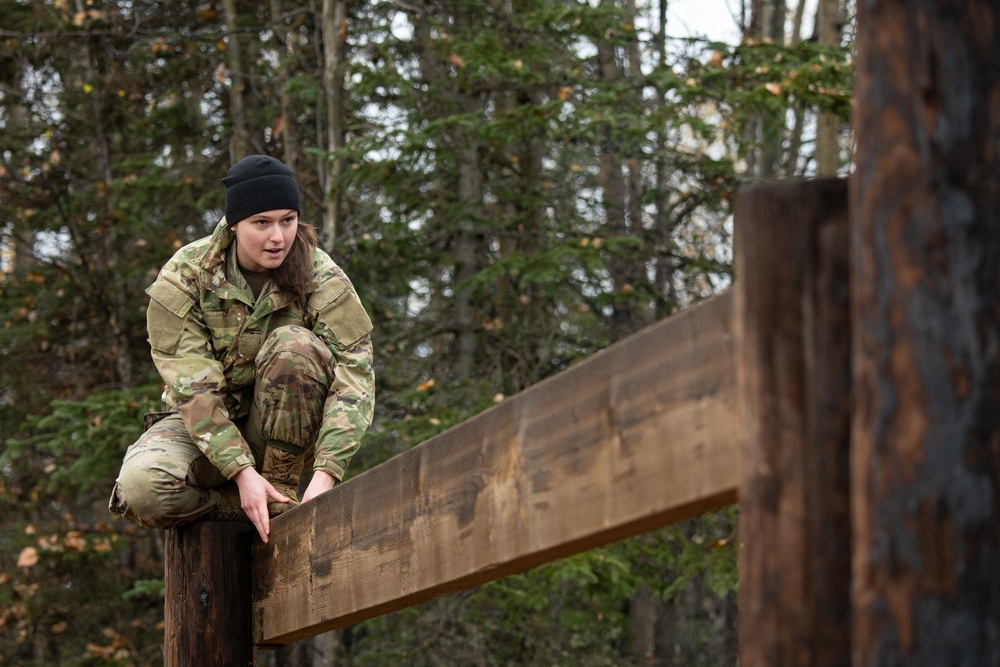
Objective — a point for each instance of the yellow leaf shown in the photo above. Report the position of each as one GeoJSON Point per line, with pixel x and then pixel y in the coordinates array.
{"type": "Point", "coordinates": [28, 557]}
{"type": "Point", "coordinates": [456, 60]}
{"type": "Point", "coordinates": [773, 88]}
{"type": "Point", "coordinates": [424, 386]}
{"type": "Point", "coordinates": [75, 541]}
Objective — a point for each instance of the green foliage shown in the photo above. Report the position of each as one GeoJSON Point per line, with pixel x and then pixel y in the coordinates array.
{"type": "Point", "coordinates": [80, 443]}
{"type": "Point", "coordinates": [577, 611]}
{"type": "Point", "coordinates": [145, 588]}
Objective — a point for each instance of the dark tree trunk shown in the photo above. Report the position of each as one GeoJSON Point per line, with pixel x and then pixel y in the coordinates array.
{"type": "Point", "coordinates": [926, 429]}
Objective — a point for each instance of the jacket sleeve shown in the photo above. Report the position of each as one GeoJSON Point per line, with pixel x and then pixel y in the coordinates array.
{"type": "Point", "coordinates": [344, 326]}
{"type": "Point", "coordinates": [194, 380]}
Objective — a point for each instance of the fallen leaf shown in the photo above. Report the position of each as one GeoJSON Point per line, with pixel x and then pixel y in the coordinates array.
{"type": "Point", "coordinates": [28, 557]}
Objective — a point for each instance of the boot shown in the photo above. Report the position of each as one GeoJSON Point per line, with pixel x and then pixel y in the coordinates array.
{"type": "Point", "coordinates": [282, 470]}
{"type": "Point", "coordinates": [229, 507]}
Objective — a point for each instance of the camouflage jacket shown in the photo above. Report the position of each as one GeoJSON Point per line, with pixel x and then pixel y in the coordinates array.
{"type": "Point", "coordinates": [205, 331]}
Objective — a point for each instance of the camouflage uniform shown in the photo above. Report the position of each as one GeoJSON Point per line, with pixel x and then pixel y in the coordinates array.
{"type": "Point", "coordinates": [240, 376]}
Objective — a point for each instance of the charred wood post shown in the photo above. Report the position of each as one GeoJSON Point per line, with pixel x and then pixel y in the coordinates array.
{"type": "Point", "coordinates": [926, 311]}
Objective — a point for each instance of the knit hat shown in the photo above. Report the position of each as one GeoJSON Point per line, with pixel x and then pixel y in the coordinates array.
{"type": "Point", "coordinates": [259, 183]}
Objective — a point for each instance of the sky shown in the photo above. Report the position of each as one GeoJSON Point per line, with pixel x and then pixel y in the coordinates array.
{"type": "Point", "coordinates": [715, 19]}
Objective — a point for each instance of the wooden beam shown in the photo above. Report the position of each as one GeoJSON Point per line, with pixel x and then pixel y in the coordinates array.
{"type": "Point", "coordinates": [640, 435]}
{"type": "Point", "coordinates": [793, 335]}
{"type": "Point", "coordinates": [207, 597]}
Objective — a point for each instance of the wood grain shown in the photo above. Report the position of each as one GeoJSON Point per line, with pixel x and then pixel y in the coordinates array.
{"type": "Point", "coordinates": [793, 334]}
{"type": "Point", "coordinates": [207, 608]}
{"type": "Point", "coordinates": [640, 435]}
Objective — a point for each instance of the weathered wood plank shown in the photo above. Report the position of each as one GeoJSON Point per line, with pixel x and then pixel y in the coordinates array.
{"type": "Point", "coordinates": [792, 339]}
{"type": "Point", "coordinates": [207, 596]}
{"type": "Point", "coordinates": [640, 435]}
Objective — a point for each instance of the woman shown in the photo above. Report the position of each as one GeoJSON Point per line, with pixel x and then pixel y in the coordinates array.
{"type": "Point", "coordinates": [266, 357]}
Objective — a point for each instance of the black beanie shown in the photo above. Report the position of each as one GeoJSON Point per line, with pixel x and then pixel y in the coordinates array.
{"type": "Point", "coordinates": [259, 183]}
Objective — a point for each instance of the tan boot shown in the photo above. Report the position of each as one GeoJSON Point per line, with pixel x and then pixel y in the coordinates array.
{"type": "Point", "coordinates": [229, 507]}
{"type": "Point", "coordinates": [282, 470]}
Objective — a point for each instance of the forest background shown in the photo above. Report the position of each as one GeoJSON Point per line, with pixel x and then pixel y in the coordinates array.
{"type": "Point", "coordinates": [512, 185]}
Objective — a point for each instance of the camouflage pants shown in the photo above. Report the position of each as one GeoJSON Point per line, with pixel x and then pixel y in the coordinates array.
{"type": "Point", "coordinates": [166, 481]}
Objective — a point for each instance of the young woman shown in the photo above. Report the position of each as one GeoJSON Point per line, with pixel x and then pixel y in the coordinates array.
{"type": "Point", "coordinates": [266, 357]}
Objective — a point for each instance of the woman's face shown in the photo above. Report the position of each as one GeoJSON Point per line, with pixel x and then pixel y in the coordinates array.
{"type": "Point", "coordinates": [264, 239]}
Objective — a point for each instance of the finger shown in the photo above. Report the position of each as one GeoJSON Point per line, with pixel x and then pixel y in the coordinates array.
{"type": "Point", "coordinates": [265, 521]}
{"type": "Point", "coordinates": [276, 495]}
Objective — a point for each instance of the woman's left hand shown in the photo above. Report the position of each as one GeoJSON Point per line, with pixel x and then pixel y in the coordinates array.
{"type": "Point", "coordinates": [321, 483]}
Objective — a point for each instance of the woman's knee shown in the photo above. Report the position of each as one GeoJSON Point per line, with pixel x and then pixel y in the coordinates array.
{"type": "Point", "coordinates": [153, 487]}
{"type": "Point", "coordinates": [294, 349]}
{"type": "Point", "coordinates": [147, 494]}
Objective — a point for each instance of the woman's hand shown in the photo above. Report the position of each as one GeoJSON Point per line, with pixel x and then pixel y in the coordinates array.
{"type": "Point", "coordinates": [321, 482]}
{"type": "Point", "coordinates": [254, 492]}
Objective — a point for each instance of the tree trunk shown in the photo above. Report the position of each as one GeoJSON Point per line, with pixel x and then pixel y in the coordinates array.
{"type": "Point", "coordinates": [926, 429]}
{"type": "Point", "coordinates": [772, 128]}
{"type": "Point", "coordinates": [615, 200]}
{"type": "Point", "coordinates": [642, 617]}
{"type": "Point", "coordinates": [795, 135]}
{"type": "Point", "coordinates": [239, 143]}
{"type": "Point", "coordinates": [666, 265]}
{"type": "Point", "coordinates": [108, 289]}
{"type": "Point", "coordinates": [286, 128]}
{"type": "Point", "coordinates": [470, 197]}
{"type": "Point", "coordinates": [334, 43]}
{"type": "Point", "coordinates": [828, 25]}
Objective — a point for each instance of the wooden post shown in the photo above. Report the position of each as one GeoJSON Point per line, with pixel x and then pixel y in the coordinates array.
{"type": "Point", "coordinates": [793, 367]}
{"type": "Point", "coordinates": [926, 306]}
{"type": "Point", "coordinates": [207, 612]}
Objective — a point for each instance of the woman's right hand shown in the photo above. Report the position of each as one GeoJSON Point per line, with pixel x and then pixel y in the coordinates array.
{"type": "Point", "coordinates": [254, 492]}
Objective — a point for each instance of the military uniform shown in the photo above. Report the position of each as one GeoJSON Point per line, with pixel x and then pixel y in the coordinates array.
{"type": "Point", "coordinates": [244, 375]}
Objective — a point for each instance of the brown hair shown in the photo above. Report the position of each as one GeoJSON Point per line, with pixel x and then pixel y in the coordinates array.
{"type": "Point", "coordinates": [296, 272]}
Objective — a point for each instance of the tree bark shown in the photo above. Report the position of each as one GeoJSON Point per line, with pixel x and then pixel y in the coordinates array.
{"type": "Point", "coordinates": [615, 201]}
{"type": "Point", "coordinates": [642, 618]}
{"type": "Point", "coordinates": [828, 26]}
{"type": "Point", "coordinates": [334, 43]}
{"type": "Point", "coordinates": [772, 127]}
{"type": "Point", "coordinates": [286, 121]}
{"type": "Point", "coordinates": [239, 143]}
{"type": "Point", "coordinates": [926, 255]}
